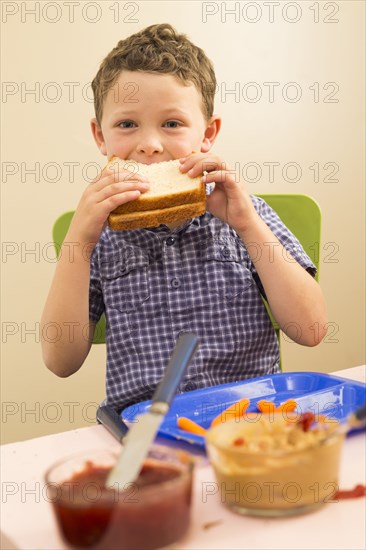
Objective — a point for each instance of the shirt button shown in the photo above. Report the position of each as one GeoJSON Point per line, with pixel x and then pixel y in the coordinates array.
{"type": "Point", "coordinates": [175, 283]}
{"type": "Point", "coordinates": [225, 252]}
{"type": "Point", "coordinates": [170, 241]}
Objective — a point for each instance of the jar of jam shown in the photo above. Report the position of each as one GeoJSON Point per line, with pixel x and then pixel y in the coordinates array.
{"type": "Point", "coordinates": [150, 513]}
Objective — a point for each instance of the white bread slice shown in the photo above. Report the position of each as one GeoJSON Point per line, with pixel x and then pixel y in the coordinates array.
{"type": "Point", "coordinates": [172, 196]}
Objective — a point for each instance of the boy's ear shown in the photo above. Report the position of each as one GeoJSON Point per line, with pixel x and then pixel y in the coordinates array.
{"type": "Point", "coordinates": [98, 136]}
{"type": "Point", "coordinates": [211, 132]}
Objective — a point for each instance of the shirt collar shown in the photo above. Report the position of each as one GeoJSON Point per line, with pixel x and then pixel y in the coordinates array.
{"type": "Point", "coordinates": [164, 229]}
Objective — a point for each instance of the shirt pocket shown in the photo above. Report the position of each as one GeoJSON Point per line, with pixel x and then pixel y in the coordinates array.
{"type": "Point", "coordinates": [125, 281]}
{"type": "Point", "coordinates": [226, 270]}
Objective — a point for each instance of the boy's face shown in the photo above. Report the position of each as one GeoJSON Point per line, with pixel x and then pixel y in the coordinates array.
{"type": "Point", "coordinates": [149, 117]}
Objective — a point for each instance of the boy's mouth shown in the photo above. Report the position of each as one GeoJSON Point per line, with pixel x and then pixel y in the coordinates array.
{"type": "Point", "coordinates": [149, 161]}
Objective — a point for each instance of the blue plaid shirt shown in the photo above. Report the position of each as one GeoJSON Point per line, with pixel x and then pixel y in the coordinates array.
{"type": "Point", "coordinates": [155, 283]}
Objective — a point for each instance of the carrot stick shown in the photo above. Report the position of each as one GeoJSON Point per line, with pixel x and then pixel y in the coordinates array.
{"type": "Point", "coordinates": [266, 406]}
{"type": "Point", "coordinates": [288, 406]}
{"type": "Point", "coordinates": [188, 425]}
{"type": "Point", "coordinates": [236, 410]}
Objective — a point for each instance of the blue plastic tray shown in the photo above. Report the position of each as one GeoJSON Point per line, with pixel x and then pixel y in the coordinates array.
{"type": "Point", "coordinates": [320, 393]}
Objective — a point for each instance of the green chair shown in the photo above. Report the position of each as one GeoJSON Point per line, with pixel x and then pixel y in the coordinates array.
{"type": "Point", "coordinates": [59, 231]}
{"type": "Point", "coordinates": [300, 213]}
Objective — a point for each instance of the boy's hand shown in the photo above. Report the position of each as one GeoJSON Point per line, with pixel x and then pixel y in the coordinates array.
{"type": "Point", "coordinates": [109, 190]}
{"type": "Point", "coordinates": [229, 200]}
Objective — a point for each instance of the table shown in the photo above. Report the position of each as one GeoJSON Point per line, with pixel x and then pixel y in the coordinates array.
{"type": "Point", "coordinates": [27, 520]}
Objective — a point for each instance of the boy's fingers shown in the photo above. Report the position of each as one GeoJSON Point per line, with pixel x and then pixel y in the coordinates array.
{"type": "Point", "coordinates": [218, 176]}
{"type": "Point", "coordinates": [187, 163]}
{"type": "Point", "coordinates": [120, 198]}
{"type": "Point", "coordinates": [120, 187]}
{"type": "Point", "coordinates": [104, 173]}
{"type": "Point", "coordinates": [194, 167]}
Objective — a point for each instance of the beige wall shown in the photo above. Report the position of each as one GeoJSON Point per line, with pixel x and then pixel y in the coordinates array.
{"type": "Point", "coordinates": [328, 128]}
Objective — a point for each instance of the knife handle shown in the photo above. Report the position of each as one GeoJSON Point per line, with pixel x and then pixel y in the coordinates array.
{"type": "Point", "coordinates": [184, 351]}
{"type": "Point", "coordinates": [111, 420]}
{"type": "Point", "coordinates": [360, 414]}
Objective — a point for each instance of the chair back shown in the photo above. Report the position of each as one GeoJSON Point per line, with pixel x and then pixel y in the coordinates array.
{"type": "Point", "coordinates": [300, 213]}
{"type": "Point", "coordinates": [302, 216]}
{"type": "Point", "coordinates": [59, 231]}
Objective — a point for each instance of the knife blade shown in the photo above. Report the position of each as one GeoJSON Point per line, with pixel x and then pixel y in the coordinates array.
{"type": "Point", "coordinates": [142, 433]}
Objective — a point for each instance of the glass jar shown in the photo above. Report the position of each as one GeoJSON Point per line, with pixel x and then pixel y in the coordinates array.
{"type": "Point", "coordinates": [260, 480]}
{"type": "Point", "coordinates": [150, 513]}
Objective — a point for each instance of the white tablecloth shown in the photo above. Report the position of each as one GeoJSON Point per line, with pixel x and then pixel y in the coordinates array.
{"type": "Point", "coordinates": [27, 520]}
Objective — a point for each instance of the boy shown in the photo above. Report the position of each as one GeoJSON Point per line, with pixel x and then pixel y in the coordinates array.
{"type": "Point", "coordinates": [154, 96]}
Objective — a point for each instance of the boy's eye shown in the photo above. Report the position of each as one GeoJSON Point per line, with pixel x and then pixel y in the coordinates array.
{"type": "Point", "coordinates": [172, 124]}
{"type": "Point", "coordinates": [127, 124]}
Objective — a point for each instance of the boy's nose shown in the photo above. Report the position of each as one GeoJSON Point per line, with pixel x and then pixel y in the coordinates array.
{"type": "Point", "coordinates": [149, 145]}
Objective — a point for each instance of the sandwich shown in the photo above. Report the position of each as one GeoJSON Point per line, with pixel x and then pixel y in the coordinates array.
{"type": "Point", "coordinates": [172, 196]}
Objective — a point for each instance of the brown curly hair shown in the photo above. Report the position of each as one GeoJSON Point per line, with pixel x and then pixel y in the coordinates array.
{"type": "Point", "coordinates": [157, 49]}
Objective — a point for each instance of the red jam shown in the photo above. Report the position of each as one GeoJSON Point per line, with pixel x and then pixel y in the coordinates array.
{"type": "Point", "coordinates": [306, 420]}
{"type": "Point", "coordinates": [145, 516]}
{"type": "Point", "coordinates": [357, 492]}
